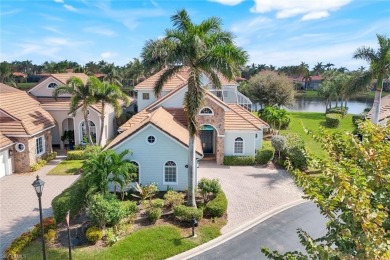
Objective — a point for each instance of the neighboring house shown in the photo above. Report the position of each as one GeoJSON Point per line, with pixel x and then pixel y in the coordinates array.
{"type": "Point", "coordinates": [27, 125]}
{"type": "Point", "coordinates": [313, 83]}
{"type": "Point", "coordinates": [384, 111]}
{"type": "Point", "coordinates": [158, 135]}
{"type": "Point", "coordinates": [59, 109]}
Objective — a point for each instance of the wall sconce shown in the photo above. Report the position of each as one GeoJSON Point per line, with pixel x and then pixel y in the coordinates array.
{"type": "Point", "coordinates": [197, 165]}
{"type": "Point", "coordinates": [10, 152]}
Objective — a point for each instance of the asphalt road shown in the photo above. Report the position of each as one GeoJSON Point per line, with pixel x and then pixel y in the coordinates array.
{"type": "Point", "coordinates": [276, 233]}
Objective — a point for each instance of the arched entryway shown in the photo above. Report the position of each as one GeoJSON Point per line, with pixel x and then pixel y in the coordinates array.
{"type": "Point", "coordinates": [67, 132]}
{"type": "Point", "coordinates": [83, 132]}
{"type": "Point", "coordinates": [208, 136]}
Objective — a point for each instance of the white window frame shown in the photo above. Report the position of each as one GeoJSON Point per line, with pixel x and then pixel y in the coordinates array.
{"type": "Point", "coordinates": [139, 170]}
{"type": "Point", "coordinates": [143, 96]}
{"type": "Point", "coordinates": [177, 173]}
{"type": "Point", "coordinates": [206, 114]}
{"type": "Point", "coordinates": [42, 143]}
{"type": "Point", "coordinates": [234, 145]}
{"type": "Point", "coordinates": [147, 140]}
{"type": "Point", "coordinates": [18, 149]}
{"type": "Point", "coordinates": [51, 84]}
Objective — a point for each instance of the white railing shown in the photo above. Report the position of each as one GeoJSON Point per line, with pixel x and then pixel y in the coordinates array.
{"type": "Point", "coordinates": [233, 97]}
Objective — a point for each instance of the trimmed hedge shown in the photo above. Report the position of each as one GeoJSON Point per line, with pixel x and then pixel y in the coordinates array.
{"type": "Point", "coordinates": [357, 118]}
{"type": "Point", "coordinates": [264, 156]}
{"type": "Point", "coordinates": [185, 213]}
{"type": "Point", "coordinates": [239, 160]}
{"type": "Point", "coordinates": [332, 120]}
{"type": "Point", "coordinates": [337, 110]}
{"type": "Point", "coordinates": [76, 155]}
{"type": "Point", "coordinates": [218, 206]}
{"type": "Point", "coordinates": [94, 234]}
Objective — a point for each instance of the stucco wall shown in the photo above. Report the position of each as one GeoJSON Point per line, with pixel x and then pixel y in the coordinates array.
{"type": "Point", "coordinates": [41, 89]}
{"type": "Point", "coordinates": [142, 103]}
{"type": "Point", "coordinates": [249, 143]}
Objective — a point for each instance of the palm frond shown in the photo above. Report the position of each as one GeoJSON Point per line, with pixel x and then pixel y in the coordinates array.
{"type": "Point", "coordinates": [167, 75]}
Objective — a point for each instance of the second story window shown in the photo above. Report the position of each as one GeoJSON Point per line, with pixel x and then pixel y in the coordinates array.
{"type": "Point", "coordinates": [145, 96]}
{"type": "Point", "coordinates": [52, 85]}
{"type": "Point", "coordinates": [206, 111]}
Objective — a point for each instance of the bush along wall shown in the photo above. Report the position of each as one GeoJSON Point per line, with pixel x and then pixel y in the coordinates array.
{"type": "Point", "coordinates": [264, 156]}
{"type": "Point", "coordinates": [239, 160]}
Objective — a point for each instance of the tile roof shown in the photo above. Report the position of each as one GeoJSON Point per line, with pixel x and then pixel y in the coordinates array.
{"type": "Point", "coordinates": [4, 141]}
{"type": "Point", "coordinates": [238, 118]}
{"type": "Point", "coordinates": [161, 119]}
{"type": "Point", "coordinates": [384, 111]}
{"type": "Point", "coordinates": [64, 77]}
{"type": "Point", "coordinates": [21, 114]}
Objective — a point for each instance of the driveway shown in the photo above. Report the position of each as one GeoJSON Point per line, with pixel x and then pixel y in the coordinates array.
{"type": "Point", "coordinates": [251, 190]}
{"type": "Point", "coordinates": [19, 203]}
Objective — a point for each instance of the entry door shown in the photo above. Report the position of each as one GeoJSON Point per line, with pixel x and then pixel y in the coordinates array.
{"type": "Point", "coordinates": [206, 136]}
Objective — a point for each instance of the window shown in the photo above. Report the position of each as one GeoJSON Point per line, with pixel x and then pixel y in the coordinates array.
{"type": "Point", "coordinates": [83, 132]}
{"type": "Point", "coordinates": [145, 96]}
{"type": "Point", "coordinates": [151, 139]}
{"type": "Point", "coordinates": [20, 147]}
{"type": "Point", "coordinates": [238, 145]}
{"type": "Point", "coordinates": [136, 179]}
{"type": "Point", "coordinates": [52, 85]}
{"type": "Point", "coordinates": [256, 136]}
{"type": "Point", "coordinates": [39, 145]}
{"type": "Point", "coordinates": [206, 111]}
{"type": "Point", "coordinates": [170, 172]}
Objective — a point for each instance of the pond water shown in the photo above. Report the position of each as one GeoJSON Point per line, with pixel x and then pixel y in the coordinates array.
{"type": "Point", "coordinates": [315, 104]}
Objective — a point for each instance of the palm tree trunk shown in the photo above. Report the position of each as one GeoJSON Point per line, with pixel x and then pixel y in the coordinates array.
{"type": "Point", "coordinates": [86, 122]}
{"type": "Point", "coordinates": [377, 101]}
{"type": "Point", "coordinates": [191, 172]}
{"type": "Point", "coordinates": [102, 123]}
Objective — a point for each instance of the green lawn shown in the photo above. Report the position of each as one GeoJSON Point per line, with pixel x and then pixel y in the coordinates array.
{"type": "Point", "coordinates": [67, 167]}
{"type": "Point", "coordinates": [312, 121]}
{"type": "Point", "coordinates": [156, 242]}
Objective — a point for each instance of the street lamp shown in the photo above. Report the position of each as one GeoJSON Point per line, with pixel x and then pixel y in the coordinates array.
{"type": "Point", "coordinates": [38, 186]}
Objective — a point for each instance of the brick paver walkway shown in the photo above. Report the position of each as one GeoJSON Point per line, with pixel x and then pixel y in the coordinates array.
{"type": "Point", "coordinates": [19, 203]}
{"type": "Point", "coordinates": [251, 191]}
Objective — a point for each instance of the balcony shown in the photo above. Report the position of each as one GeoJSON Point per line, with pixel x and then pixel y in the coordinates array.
{"type": "Point", "coordinates": [233, 96]}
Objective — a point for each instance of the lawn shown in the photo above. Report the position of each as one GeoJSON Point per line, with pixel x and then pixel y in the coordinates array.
{"type": "Point", "coordinates": [67, 167]}
{"type": "Point", "coordinates": [314, 93]}
{"type": "Point", "coordinates": [156, 242]}
{"type": "Point", "coordinates": [312, 121]}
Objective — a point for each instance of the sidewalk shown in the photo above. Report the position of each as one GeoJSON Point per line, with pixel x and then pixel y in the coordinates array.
{"type": "Point", "coordinates": [19, 203]}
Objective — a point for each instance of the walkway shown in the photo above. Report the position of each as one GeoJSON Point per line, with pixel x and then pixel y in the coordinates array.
{"type": "Point", "coordinates": [251, 191]}
{"type": "Point", "coordinates": [19, 203]}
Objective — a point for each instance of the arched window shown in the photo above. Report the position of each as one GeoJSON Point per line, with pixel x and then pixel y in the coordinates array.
{"type": "Point", "coordinates": [170, 173]}
{"type": "Point", "coordinates": [239, 145]}
{"type": "Point", "coordinates": [136, 179]}
{"type": "Point", "coordinates": [206, 111]}
{"type": "Point", "coordinates": [52, 85]}
{"type": "Point", "coordinates": [83, 132]}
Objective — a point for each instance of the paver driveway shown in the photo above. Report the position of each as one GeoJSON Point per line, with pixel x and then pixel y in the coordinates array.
{"type": "Point", "coordinates": [19, 202]}
{"type": "Point", "coordinates": [250, 190]}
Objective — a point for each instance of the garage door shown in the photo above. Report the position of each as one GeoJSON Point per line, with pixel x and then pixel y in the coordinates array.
{"type": "Point", "coordinates": [3, 163]}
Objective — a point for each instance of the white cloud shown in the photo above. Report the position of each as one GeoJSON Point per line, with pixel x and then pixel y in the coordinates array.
{"type": "Point", "coordinates": [70, 8]}
{"type": "Point", "coordinates": [100, 30]}
{"type": "Point", "coordinates": [108, 55]}
{"type": "Point", "coordinates": [10, 12]}
{"type": "Point", "coordinates": [59, 1]}
{"type": "Point", "coordinates": [310, 9]}
{"type": "Point", "coordinates": [228, 2]}
{"type": "Point", "coordinates": [52, 29]}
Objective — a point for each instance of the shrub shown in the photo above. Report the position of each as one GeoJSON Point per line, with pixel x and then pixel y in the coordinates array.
{"type": "Point", "coordinates": [94, 234]}
{"type": "Point", "coordinates": [157, 203]}
{"type": "Point", "coordinates": [263, 156]}
{"type": "Point", "coordinates": [337, 110]}
{"type": "Point", "coordinates": [356, 119]}
{"type": "Point", "coordinates": [332, 120]}
{"type": "Point", "coordinates": [174, 198]}
{"type": "Point", "coordinates": [50, 235]}
{"type": "Point", "coordinates": [38, 165]}
{"type": "Point", "coordinates": [239, 160]}
{"type": "Point", "coordinates": [294, 140]}
{"type": "Point", "coordinates": [276, 117]}
{"type": "Point", "coordinates": [278, 143]}
{"type": "Point", "coordinates": [185, 213]}
{"type": "Point", "coordinates": [73, 199]}
{"type": "Point", "coordinates": [48, 223]}
{"type": "Point", "coordinates": [76, 155]}
{"type": "Point", "coordinates": [51, 156]}
{"type": "Point", "coordinates": [154, 214]}
{"type": "Point", "coordinates": [209, 188]}
{"type": "Point", "coordinates": [145, 192]}
{"type": "Point", "coordinates": [297, 157]}
{"type": "Point", "coordinates": [129, 208]}
{"type": "Point", "coordinates": [111, 237]}
{"type": "Point", "coordinates": [218, 206]}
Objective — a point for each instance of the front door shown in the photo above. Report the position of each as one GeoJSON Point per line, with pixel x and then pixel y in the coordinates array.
{"type": "Point", "coordinates": [206, 136]}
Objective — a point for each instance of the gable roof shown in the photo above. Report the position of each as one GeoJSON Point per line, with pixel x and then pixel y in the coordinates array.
{"type": "Point", "coordinates": [21, 114]}
{"type": "Point", "coordinates": [384, 110]}
{"type": "Point", "coordinates": [238, 118]}
{"type": "Point", "coordinates": [62, 78]}
{"type": "Point", "coordinates": [4, 141]}
{"type": "Point", "coordinates": [161, 119]}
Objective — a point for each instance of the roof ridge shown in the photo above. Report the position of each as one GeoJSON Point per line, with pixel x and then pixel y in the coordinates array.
{"type": "Point", "coordinates": [241, 115]}
{"type": "Point", "coordinates": [13, 117]}
{"type": "Point", "coordinates": [170, 93]}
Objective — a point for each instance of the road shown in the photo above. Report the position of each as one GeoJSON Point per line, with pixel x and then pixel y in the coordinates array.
{"type": "Point", "coordinates": [276, 233]}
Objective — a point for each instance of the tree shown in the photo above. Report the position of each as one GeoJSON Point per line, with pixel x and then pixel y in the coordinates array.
{"type": "Point", "coordinates": [107, 93]}
{"type": "Point", "coordinates": [156, 54]}
{"type": "Point", "coordinates": [5, 71]}
{"type": "Point", "coordinates": [318, 68]}
{"type": "Point", "coordinates": [112, 74]}
{"type": "Point", "coordinates": [82, 95]}
{"type": "Point", "coordinates": [353, 192]}
{"type": "Point", "coordinates": [205, 49]}
{"type": "Point", "coordinates": [379, 68]}
{"type": "Point", "coordinates": [269, 89]}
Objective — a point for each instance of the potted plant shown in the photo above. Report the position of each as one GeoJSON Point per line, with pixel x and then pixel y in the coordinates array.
{"type": "Point", "coordinates": [69, 137]}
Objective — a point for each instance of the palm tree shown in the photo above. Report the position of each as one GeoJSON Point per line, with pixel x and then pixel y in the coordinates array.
{"type": "Point", "coordinates": [112, 75]}
{"type": "Point", "coordinates": [379, 68]}
{"type": "Point", "coordinates": [82, 94]}
{"type": "Point", "coordinates": [318, 68]}
{"type": "Point", "coordinates": [206, 50]}
{"type": "Point", "coordinates": [107, 93]}
{"type": "Point", "coordinates": [5, 71]}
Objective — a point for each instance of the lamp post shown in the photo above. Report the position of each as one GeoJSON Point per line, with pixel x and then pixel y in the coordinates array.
{"type": "Point", "coordinates": [38, 186]}
{"type": "Point", "coordinates": [194, 224]}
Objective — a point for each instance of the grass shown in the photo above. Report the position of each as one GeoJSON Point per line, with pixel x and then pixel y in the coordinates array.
{"type": "Point", "coordinates": [67, 167]}
{"type": "Point", "coordinates": [156, 242]}
{"type": "Point", "coordinates": [314, 93]}
{"type": "Point", "coordinates": [312, 121]}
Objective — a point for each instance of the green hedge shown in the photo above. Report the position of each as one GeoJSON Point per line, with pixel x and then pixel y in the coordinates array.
{"type": "Point", "coordinates": [185, 213]}
{"type": "Point", "coordinates": [218, 206]}
{"type": "Point", "coordinates": [357, 118]}
{"type": "Point", "coordinates": [332, 120]}
{"type": "Point", "coordinates": [239, 160]}
{"type": "Point", "coordinates": [76, 155]}
{"type": "Point", "coordinates": [264, 156]}
{"type": "Point", "coordinates": [337, 110]}
{"type": "Point", "coordinates": [73, 199]}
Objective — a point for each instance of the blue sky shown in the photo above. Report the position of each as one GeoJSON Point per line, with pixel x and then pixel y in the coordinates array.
{"type": "Point", "coordinates": [277, 32]}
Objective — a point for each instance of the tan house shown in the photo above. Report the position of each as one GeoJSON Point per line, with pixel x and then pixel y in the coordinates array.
{"type": "Point", "coordinates": [25, 131]}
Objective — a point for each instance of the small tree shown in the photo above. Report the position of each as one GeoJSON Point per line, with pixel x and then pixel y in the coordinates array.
{"type": "Point", "coordinates": [208, 188]}
{"type": "Point", "coordinates": [279, 143]}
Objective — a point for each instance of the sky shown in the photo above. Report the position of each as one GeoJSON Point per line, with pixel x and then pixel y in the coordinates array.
{"type": "Point", "coordinates": [277, 32]}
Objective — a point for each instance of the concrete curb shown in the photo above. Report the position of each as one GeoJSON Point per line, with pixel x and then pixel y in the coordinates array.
{"type": "Point", "coordinates": [235, 232]}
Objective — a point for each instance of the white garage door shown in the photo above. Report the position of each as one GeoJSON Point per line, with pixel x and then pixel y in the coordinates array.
{"type": "Point", "coordinates": [4, 163]}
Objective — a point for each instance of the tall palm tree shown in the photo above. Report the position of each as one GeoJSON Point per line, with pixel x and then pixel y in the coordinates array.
{"type": "Point", "coordinates": [82, 94]}
{"type": "Point", "coordinates": [379, 68]}
{"type": "Point", "coordinates": [107, 93]}
{"type": "Point", "coordinates": [112, 74]}
{"type": "Point", "coordinates": [206, 50]}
